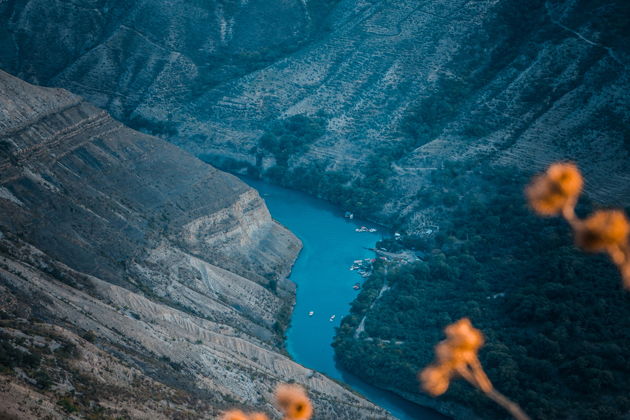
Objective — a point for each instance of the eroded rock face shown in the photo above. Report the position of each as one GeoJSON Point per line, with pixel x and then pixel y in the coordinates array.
{"type": "Point", "coordinates": [166, 264]}
{"type": "Point", "coordinates": [509, 83]}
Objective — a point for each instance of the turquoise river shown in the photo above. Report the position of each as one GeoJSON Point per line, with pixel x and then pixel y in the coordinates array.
{"type": "Point", "coordinates": [325, 286]}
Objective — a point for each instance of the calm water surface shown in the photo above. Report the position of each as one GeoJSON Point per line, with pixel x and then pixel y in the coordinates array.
{"type": "Point", "coordinates": [324, 286]}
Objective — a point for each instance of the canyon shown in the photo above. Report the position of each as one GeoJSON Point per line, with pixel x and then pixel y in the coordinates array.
{"type": "Point", "coordinates": [426, 116]}
{"type": "Point", "coordinates": [143, 281]}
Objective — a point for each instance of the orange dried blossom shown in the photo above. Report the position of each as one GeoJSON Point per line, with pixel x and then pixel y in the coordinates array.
{"type": "Point", "coordinates": [234, 415]}
{"type": "Point", "coordinates": [293, 402]}
{"type": "Point", "coordinates": [602, 230]}
{"type": "Point", "coordinates": [435, 379]}
{"type": "Point", "coordinates": [455, 355]}
{"type": "Point", "coordinates": [556, 190]}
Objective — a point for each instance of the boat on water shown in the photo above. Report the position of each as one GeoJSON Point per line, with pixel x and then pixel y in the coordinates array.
{"type": "Point", "coordinates": [332, 318]}
{"type": "Point", "coordinates": [356, 286]}
{"type": "Point", "coordinates": [311, 313]}
{"type": "Point", "coordinates": [365, 229]}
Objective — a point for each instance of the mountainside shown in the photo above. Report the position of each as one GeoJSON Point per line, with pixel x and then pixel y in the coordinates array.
{"type": "Point", "coordinates": [121, 55]}
{"type": "Point", "coordinates": [388, 90]}
{"type": "Point", "coordinates": [556, 320]}
{"type": "Point", "coordinates": [135, 280]}
{"type": "Point", "coordinates": [429, 116]}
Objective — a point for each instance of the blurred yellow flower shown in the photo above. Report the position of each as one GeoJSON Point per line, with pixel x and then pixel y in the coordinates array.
{"type": "Point", "coordinates": [435, 379]}
{"type": "Point", "coordinates": [294, 402]}
{"type": "Point", "coordinates": [234, 415]}
{"type": "Point", "coordinates": [455, 355]}
{"type": "Point", "coordinates": [602, 230]}
{"type": "Point", "coordinates": [556, 190]}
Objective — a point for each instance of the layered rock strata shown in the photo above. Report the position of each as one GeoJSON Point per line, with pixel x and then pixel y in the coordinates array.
{"type": "Point", "coordinates": [135, 279]}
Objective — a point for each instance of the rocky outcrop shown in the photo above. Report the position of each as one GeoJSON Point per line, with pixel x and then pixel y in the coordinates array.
{"type": "Point", "coordinates": [106, 200]}
{"type": "Point", "coordinates": [161, 279]}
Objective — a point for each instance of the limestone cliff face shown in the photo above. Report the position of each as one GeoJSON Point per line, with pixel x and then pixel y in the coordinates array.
{"type": "Point", "coordinates": [119, 240]}
{"type": "Point", "coordinates": [514, 83]}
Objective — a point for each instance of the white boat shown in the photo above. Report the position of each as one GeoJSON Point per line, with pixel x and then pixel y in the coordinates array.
{"type": "Point", "coordinates": [311, 313]}
{"type": "Point", "coordinates": [332, 318]}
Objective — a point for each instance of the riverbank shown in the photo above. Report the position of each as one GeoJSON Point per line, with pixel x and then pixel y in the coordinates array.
{"type": "Point", "coordinates": [331, 246]}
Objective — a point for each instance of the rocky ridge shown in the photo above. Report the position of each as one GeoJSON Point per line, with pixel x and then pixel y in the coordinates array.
{"type": "Point", "coordinates": [135, 279]}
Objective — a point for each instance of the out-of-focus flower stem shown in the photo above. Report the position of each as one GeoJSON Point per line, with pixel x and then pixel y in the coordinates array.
{"type": "Point", "coordinates": [568, 212]}
{"type": "Point", "coordinates": [513, 408]}
{"type": "Point", "coordinates": [477, 377]}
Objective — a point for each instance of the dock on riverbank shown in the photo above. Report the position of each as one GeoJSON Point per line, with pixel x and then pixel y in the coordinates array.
{"type": "Point", "coordinates": [404, 255]}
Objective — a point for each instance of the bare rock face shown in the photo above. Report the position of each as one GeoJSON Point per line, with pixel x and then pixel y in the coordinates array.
{"type": "Point", "coordinates": [135, 279]}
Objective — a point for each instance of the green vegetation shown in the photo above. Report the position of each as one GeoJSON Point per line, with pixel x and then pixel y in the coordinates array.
{"type": "Point", "coordinates": [289, 137]}
{"type": "Point", "coordinates": [365, 191]}
{"type": "Point", "coordinates": [68, 405]}
{"type": "Point", "coordinates": [89, 335]}
{"type": "Point", "coordinates": [364, 195]}
{"type": "Point", "coordinates": [164, 128]}
{"type": "Point", "coordinates": [556, 323]}
{"type": "Point", "coordinates": [33, 360]}
{"type": "Point", "coordinates": [609, 20]}
{"type": "Point", "coordinates": [12, 356]}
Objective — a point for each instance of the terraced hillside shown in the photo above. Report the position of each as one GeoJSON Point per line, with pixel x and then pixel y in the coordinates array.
{"type": "Point", "coordinates": [397, 86]}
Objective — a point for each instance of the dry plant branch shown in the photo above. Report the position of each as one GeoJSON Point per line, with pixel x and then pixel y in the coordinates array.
{"type": "Point", "coordinates": [557, 190]}
{"type": "Point", "coordinates": [457, 356]}
{"type": "Point", "coordinates": [291, 399]}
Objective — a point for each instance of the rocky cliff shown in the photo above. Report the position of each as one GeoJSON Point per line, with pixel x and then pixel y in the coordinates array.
{"type": "Point", "coordinates": [135, 279]}
{"type": "Point", "coordinates": [411, 84]}
{"type": "Point", "coordinates": [405, 111]}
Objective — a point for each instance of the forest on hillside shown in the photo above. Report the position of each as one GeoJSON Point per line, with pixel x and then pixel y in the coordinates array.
{"type": "Point", "coordinates": [556, 320]}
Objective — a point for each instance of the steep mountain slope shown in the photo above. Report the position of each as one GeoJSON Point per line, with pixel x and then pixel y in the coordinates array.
{"type": "Point", "coordinates": [397, 86]}
{"type": "Point", "coordinates": [174, 270]}
{"type": "Point", "coordinates": [124, 54]}
{"type": "Point", "coordinates": [556, 320]}
{"type": "Point", "coordinates": [428, 115]}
